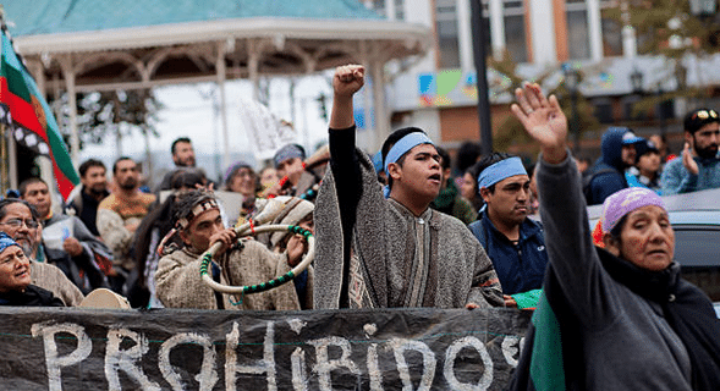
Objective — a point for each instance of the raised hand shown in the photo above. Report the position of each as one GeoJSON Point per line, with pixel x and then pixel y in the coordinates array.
{"type": "Point", "coordinates": [543, 120]}
{"type": "Point", "coordinates": [688, 161]}
{"type": "Point", "coordinates": [348, 80]}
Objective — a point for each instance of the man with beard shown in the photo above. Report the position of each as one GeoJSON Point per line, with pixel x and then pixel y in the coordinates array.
{"type": "Point", "coordinates": [699, 168]}
{"type": "Point", "coordinates": [183, 154]}
{"type": "Point", "coordinates": [67, 243]}
{"type": "Point", "coordinates": [19, 220]}
{"type": "Point", "coordinates": [94, 190]}
{"type": "Point", "coordinates": [514, 243]}
{"type": "Point", "coordinates": [119, 216]}
{"type": "Point", "coordinates": [388, 249]}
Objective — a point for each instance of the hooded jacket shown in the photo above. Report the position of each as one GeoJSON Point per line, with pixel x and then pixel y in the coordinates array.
{"type": "Point", "coordinates": [608, 174]}
{"type": "Point", "coordinates": [520, 267]}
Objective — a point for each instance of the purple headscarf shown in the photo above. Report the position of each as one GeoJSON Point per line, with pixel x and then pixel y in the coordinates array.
{"type": "Point", "coordinates": [625, 201]}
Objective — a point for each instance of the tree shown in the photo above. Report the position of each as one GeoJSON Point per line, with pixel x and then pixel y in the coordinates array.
{"type": "Point", "coordinates": [668, 28]}
{"type": "Point", "coordinates": [109, 113]}
{"type": "Point", "coordinates": [513, 132]}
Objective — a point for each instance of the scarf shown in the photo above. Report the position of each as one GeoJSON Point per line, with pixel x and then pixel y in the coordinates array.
{"type": "Point", "coordinates": [553, 353]}
{"type": "Point", "coordinates": [687, 310]}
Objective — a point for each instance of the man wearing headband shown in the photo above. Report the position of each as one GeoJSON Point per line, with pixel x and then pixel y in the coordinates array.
{"type": "Point", "coordinates": [379, 250]}
{"type": "Point", "coordinates": [619, 318]}
{"type": "Point", "coordinates": [514, 242]}
{"type": "Point", "coordinates": [699, 168]}
{"type": "Point", "coordinates": [15, 288]}
{"type": "Point", "coordinates": [178, 283]}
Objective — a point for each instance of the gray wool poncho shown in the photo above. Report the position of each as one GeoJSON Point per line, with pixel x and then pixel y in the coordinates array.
{"type": "Point", "coordinates": [397, 259]}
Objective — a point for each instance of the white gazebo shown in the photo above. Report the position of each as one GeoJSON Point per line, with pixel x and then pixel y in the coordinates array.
{"type": "Point", "coordinates": [99, 45]}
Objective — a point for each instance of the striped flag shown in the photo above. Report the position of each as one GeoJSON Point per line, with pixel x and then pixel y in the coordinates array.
{"type": "Point", "coordinates": [24, 110]}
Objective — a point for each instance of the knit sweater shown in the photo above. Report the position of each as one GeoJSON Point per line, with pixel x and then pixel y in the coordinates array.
{"type": "Point", "coordinates": [51, 278]}
{"type": "Point", "coordinates": [179, 284]}
{"type": "Point", "coordinates": [676, 179]}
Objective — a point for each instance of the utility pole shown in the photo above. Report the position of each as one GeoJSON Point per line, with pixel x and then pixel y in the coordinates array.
{"type": "Point", "coordinates": [478, 24]}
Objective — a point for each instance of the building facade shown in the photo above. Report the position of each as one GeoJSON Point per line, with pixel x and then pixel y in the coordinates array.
{"type": "Point", "coordinates": [438, 93]}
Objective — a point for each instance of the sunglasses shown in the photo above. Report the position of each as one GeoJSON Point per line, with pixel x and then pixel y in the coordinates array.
{"type": "Point", "coordinates": [705, 114]}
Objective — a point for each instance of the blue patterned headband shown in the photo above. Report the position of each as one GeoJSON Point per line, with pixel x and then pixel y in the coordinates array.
{"type": "Point", "coordinates": [501, 170]}
{"type": "Point", "coordinates": [404, 145]}
{"type": "Point", "coordinates": [6, 241]}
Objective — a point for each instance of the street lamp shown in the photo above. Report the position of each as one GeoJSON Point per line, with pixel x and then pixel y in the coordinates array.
{"type": "Point", "coordinates": [572, 82]}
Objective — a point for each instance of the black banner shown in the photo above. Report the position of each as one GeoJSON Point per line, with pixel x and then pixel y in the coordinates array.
{"type": "Point", "coordinates": [415, 349]}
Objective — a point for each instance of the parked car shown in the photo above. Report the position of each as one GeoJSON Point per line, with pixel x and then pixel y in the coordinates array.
{"type": "Point", "coordinates": [695, 217]}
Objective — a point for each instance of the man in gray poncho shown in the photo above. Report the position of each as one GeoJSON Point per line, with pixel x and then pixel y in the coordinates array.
{"type": "Point", "coordinates": [376, 252]}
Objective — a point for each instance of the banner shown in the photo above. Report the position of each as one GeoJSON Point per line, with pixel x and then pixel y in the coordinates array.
{"type": "Point", "coordinates": [414, 349]}
{"type": "Point", "coordinates": [266, 132]}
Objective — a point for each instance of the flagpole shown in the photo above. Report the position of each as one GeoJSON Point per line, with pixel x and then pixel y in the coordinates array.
{"type": "Point", "coordinates": [3, 160]}
{"type": "Point", "coordinates": [3, 131]}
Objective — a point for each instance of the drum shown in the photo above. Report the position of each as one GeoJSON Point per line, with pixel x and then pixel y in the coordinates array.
{"type": "Point", "coordinates": [104, 298]}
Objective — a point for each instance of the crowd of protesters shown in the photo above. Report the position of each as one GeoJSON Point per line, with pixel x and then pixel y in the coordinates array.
{"type": "Point", "coordinates": [402, 228]}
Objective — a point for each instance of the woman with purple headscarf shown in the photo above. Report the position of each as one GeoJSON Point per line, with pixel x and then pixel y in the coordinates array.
{"type": "Point", "coordinates": [619, 318]}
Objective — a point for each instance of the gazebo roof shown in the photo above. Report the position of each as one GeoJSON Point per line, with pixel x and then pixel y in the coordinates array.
{"type": "Point", "coordinates": [96, 45]}
{"type": "Point", "coordinates": [39, 17]}
{"type": "Point", "coordinates": [145, 43]}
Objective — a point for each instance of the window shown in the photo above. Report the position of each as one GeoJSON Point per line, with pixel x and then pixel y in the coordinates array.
{"type": "Point", "coordinates": [611, 31]}
{"type": "Point", "coordinates": [514, 18]}
{"type": "Point", "coordinates": [577, 29]}
{"type": "Point", "coordinates": [447, 32]}
{"type": "Point", "coordinates": [379, 7]}
{"type": "Point", "coordinates": [628, 106]}
{"type": "Point", "coordinates": [603, 110]}
{"type": "Point", "coordinates": [399, 9]}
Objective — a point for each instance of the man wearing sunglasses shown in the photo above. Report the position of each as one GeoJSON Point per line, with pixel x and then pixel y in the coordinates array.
{"type": "Point", "coordinates": [699, 168]}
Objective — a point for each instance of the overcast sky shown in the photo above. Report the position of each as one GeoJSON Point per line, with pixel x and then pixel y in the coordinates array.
{"type": "Point", "coordinates": [188, 111]}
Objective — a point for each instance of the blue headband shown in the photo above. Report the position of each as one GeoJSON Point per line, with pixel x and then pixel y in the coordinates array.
{"type": "Point", "coordinates": [6, 241]}
{"type": "Point", "coordinates": [501, 170]}
{"type": "Point", "coordinates": [404, 145]}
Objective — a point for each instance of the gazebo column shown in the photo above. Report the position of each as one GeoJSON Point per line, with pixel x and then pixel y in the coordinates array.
{"type": "Point", "coordinates": [220, 69]}
{"type": "Point", "coordinates": [69, 76]}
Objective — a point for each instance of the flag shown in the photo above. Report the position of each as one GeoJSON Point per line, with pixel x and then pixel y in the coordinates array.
{"type": "Point", "coordinates": [29, 117]}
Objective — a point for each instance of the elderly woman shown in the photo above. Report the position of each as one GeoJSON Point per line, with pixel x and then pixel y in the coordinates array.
{"type": "Point", "coordinates": [620, 319]}
{"type": "Point", "coordinates": [15, 288]}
